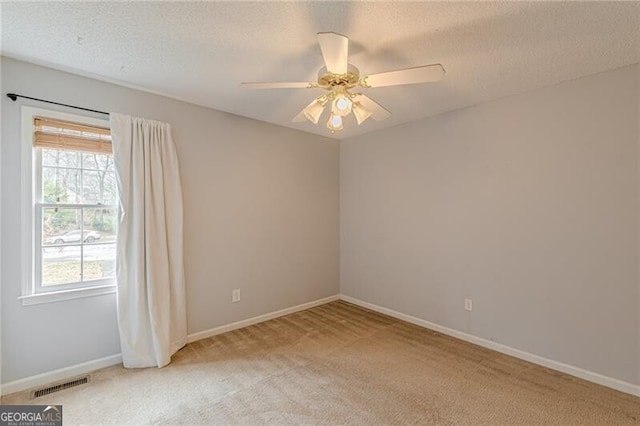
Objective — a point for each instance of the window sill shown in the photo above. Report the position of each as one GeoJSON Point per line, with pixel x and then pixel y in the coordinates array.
{"type": "Point", "coordinates": [62, 295]}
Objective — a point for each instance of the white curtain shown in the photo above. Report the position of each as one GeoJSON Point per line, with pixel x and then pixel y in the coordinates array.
{"type": "Point", "coordinates": [151, 290]}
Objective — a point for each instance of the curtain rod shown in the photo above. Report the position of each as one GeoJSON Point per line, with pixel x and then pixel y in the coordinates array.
{"type": "Point", "coordinates": [14, 97]}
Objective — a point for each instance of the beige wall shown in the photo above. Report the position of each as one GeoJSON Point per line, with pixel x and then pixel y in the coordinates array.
{"type": "Point", "coordinates": [528, 205]}
{"type": "Point", "coordinates": [261, 214]}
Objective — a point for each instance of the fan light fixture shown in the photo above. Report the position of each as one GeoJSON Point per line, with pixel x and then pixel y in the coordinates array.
{"type": "Point", "coordinates": [341, 105]}
{"type": "Point", "coordinates": [314, 110]}
{"type": "Point", "coordinates": [361, 113]}
{"type": "Point", "coordinates": [335, 123]}
{"type": "Point", "coordinates": [338, 76]}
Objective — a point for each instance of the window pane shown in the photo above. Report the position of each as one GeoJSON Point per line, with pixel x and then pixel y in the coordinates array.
{"type": "Point", "coordinates": [60, 185]}
{"type": "Point", "coordinates": [60, 265]}
{"type": "Point", "coordinates": [77, 244]}
{"type": "Point", "coordinates": [59, 158]}
{"type": "Point", "coordinates": [99, 183]}
{"type": "Point", "coordinates": [99, 261]}
{"type": "Point", "coordinates": [110, 186]}
{"type": "Point", "coordinates": [100, 162]}
{"type": "Point", "coordinates": [98, 187]}
{"type": "Point", "coordinates": [100, 225]}
{"type": "Point", "coordinates": [60, 225]}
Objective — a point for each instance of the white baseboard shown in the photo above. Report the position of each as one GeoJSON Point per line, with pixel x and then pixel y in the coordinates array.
{"type": "Point", "coordinates": [60, 374]}
{"type": "Point", "coordinates": [517, 353]}
{"type": "Point", "coordinates": [89, 366]}
{"type": "Point", "coordinates": [261, 318]}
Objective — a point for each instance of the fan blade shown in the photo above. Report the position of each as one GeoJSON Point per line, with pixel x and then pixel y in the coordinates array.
{"type": "Point", "coordinates": [335, 51]}
{"type": "Point", "coordinates": [423, 74]}
{"type": "Point", "coordinates": [279, 85]}
{"type": "Point", "coordinates": [378, 112]}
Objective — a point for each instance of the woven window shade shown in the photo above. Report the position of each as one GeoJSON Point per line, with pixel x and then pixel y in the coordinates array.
{"type": "Point", "coordinates": [56, 134]}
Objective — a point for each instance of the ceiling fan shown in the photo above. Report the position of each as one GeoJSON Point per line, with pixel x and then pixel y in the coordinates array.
{"type": "Point", "coordinates": [338, 77]}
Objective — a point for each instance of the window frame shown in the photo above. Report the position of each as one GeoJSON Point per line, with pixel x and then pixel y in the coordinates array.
{"type": "Point", "coordinates": [32, 291]}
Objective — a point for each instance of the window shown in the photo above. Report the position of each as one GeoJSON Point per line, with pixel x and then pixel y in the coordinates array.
{"type": "Point", "coordinates": [71, 202]}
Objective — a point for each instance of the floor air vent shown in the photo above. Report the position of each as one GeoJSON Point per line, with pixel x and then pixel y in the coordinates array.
{"type": "Point", "coordinates": [60, 386]}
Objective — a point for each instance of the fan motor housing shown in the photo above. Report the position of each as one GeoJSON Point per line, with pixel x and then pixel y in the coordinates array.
{"type": "Point", "coordinates": [329, 80]}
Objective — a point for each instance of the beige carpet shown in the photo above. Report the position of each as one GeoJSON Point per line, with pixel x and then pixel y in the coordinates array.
{"type": "Point", "coordinates": [339, 364]}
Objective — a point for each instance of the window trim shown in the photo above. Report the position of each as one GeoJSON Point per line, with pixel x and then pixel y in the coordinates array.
{"type": "Point", "coordinates": [29, 296]}
{"type": "Point", "coordinates": [61, 295]}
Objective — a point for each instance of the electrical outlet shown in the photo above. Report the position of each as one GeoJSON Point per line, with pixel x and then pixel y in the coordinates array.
{"type": "Point", "coordinates": [235, 295]}
{"type": "Point", "coordinates": [468, 305]}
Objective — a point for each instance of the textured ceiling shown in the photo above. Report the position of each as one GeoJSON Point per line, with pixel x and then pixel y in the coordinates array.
{"type": "Point", "coordinates": [199, 52]}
